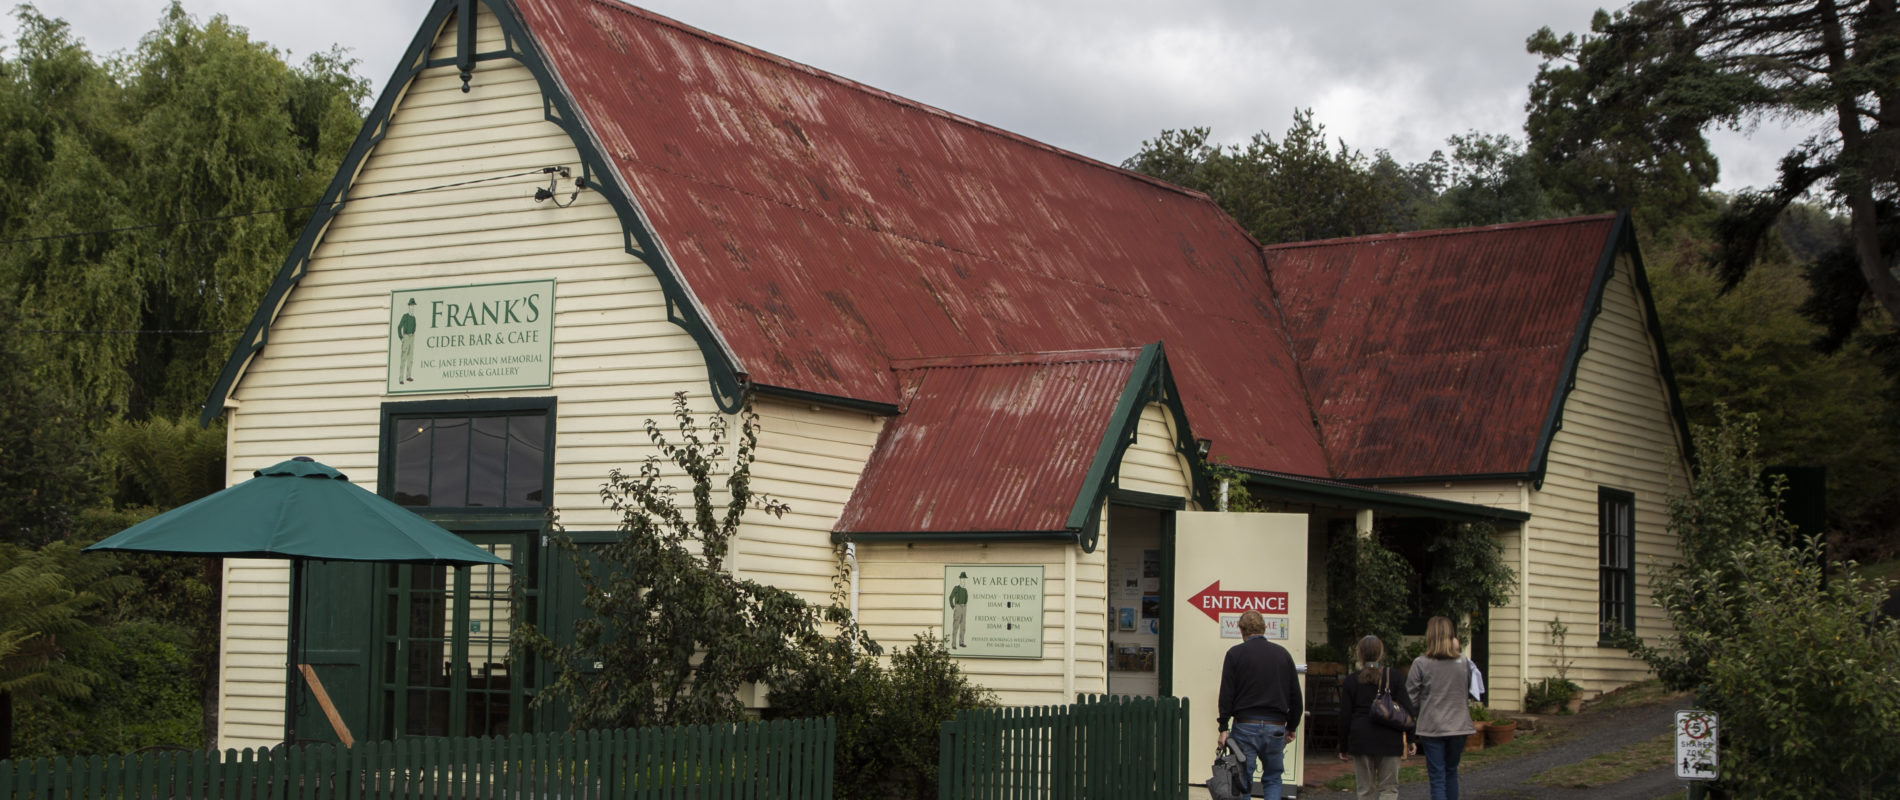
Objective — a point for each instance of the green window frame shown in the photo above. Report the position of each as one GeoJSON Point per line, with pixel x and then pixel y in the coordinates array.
{"type": "Point", "coordinates": [1616, 561]}
{"type": "Point", "coordinates": [484, 469]}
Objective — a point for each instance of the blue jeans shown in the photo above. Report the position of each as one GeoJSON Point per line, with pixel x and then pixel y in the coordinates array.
{"type": "Point", "coordinates": [1262, 742]}
{"type": "Point", "coordinates": [1441, 764]}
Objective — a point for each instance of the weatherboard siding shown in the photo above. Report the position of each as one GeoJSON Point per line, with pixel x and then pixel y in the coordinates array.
{"type": "Point", "coordinates": [903, 595]}
{"type": "Point", "coordinates": [1152, 464]}
{"type": "Point", "coordinates": [317, 388]}
{"type": "Point", "coordinates": [810, 458]}
{"type": "Point", "coordinates": [1618, 432]}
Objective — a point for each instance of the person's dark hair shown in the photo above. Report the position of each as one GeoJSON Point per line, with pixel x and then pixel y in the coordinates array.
{"type": "Point", "coordinates": [1371, 651]}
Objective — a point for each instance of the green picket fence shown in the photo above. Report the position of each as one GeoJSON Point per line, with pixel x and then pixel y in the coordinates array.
{"type": "Point", "coordinates": [782, 760]}
{"type": "Point", "coordinates": [1101, 748]}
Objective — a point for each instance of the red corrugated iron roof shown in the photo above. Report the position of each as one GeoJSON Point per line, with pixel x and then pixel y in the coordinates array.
{"type": "Point", "coordinates": [1438, 353]}
{"type": "Point", "coordinates": [990, 444]}
{"type": "Point", "coordinates": [829, 229]}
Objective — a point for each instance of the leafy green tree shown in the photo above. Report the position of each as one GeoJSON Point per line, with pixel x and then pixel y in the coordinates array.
{"type": "Point", "coordinates": [674, 635]}
{"type": "Point", "coordinates": [1617, 117]}
{"type": "Point", "coordinates": [1368, 590]}
{"type": "Point", "coordinates": [1467, 576]}
{"type": "Point", "coordinates": [1297, 188]}
{"type": "Point", "coordinates": [1750, 349]}
{"type": "Point", "coordinates": [1658, 74]}
{"type": "Point", "coordinates": [51, 601]}
{"type": "Point", "coordinates": [47, 471]}
{"type": "Point", "coordinates": [147, 694]}
{"type": "Point", "coordinates": [1489, 179]}
{"type": "Point", "coordinates": [198, 126]}
{"type": "Point", "coordinates": [887, 714]}
{"type": "Point", "coordinates": [1783, 652]}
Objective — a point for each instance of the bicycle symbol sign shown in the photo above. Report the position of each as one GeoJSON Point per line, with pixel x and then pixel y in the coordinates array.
{"type": "Point", "coordinates": [1696, 745]}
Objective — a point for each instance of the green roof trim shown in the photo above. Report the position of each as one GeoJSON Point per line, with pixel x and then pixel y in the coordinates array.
{"type": "Point", "coordinates": [1325, 492]}
{"type": "Point", "coordinates": [722, 366]}
{"type": "Point", "coordinates": [1149, 382]}
{"type": "Point", "coordinates": [1622, 240]}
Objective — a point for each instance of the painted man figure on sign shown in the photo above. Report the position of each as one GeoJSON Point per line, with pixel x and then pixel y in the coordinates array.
{"type": "Point", "coordinates": [959, 603]}
{"type": "Point", "coordinates": [406, 333]}
{"type": "Point", "coordinates": [1260, 693]}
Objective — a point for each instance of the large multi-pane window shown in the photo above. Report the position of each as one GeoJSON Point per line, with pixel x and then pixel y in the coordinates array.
{"type": "Point", "coordinates": [465, 461]}
{"type": "Point", "coordinates": [482, 470]}
{"type": "Point", "coordinates": [1616, 559]}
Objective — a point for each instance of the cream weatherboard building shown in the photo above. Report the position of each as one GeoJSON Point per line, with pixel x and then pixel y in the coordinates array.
{"type": "Point", "coordinates": [975, 358]}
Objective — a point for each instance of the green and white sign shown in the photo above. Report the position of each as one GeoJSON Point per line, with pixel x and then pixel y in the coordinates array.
{"type": "Point", "coordinates": [992, 611]}
{"type": "Point", "coordinates": [471, 338]}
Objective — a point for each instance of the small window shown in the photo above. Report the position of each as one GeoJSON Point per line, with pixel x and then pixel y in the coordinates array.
{"type": "Point", "coordinates": [1616, 560]}
{"type": "Point", "coordinates": [495, 460]}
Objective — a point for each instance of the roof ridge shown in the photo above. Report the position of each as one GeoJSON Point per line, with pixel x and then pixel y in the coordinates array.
{"type": "Point", "coordinates": [893, 97]}
{"type": "Point", "coordinates": [1438, 232]}
{"type": "Point", "coordinates": [1043, 358]}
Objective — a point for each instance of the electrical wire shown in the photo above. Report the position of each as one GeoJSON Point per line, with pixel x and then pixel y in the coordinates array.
{"type": "Point", "coordinates": [60, 236]}
{"type": "Point", "coordinates": [85, 332]}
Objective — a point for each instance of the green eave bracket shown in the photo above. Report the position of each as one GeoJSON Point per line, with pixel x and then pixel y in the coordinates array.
{"type": "Point", "coordinates": [1149, 382]}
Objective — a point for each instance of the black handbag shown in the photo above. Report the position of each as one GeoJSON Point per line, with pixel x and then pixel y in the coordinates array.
{"type": "Point", "coordinates": [1228, 781]}
{"type": "Point", "coordinates": [1385, 710]}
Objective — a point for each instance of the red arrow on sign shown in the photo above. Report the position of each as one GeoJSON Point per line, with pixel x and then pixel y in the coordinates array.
{"type": "Point", "coordinates": [1213, 602]}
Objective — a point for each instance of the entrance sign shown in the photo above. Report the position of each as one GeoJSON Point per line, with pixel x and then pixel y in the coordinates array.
{"type": "Point", "coordinates": [471, 338]}
{"type": "Point", "coordinates": [992, 611]}
{"type": "Point", "coordinates": [1216, 604]}
{"type": "Point", "coordinates": [1696, 756]}
{"type": "Point", "coordinates": [1238, 557]}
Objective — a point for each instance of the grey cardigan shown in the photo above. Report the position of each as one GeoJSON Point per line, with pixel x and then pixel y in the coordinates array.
{"type": "Point", "coordinates": [1439, 687]}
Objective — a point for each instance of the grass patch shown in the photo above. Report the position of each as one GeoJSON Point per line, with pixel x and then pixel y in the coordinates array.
{"type": "Point", "coordinates": [1889, 570]}
{"type": "Point", "coordinates": [1412, 770]}
{"type": "Point", "coordinates": [1607, 768]}
{"type": "Point", "coordinates": [1647, 693]}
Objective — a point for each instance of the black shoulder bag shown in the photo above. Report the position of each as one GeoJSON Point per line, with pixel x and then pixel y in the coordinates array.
{"type": "Point", "coordinates": [1385, 710]}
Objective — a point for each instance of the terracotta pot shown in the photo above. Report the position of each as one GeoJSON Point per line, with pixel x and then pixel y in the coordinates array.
{"type": "Point", "coordinates": [1476, 740]}
{"type": "Point", "coordinates": [1497, 733]}
{"type": "Point", "coordinates": [1326, 668]}
{"type": "Point", "coordinates": [1574, 704]}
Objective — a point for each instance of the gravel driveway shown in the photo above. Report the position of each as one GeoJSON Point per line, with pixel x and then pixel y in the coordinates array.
{"type": "Point", "coordinates": [1594, 733]}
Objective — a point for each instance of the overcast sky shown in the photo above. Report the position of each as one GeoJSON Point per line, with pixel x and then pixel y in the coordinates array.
{"type": "Point", "coordinates": [1093, 76]}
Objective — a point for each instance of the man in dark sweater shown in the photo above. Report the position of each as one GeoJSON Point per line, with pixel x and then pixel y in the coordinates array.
{"type": "Point", "coordinates": [1260, 693]}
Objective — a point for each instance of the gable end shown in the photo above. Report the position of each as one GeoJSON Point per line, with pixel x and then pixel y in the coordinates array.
{"type": "Point", "coordinates": [683, 309]}
{"type": "Point", "coordinates": [1622, 241]}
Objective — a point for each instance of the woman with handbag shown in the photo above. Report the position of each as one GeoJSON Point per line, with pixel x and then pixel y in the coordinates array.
{"type": "Point", "coordinates": [1374, 713]}
{"type": "Point", "coordinates": [1438, 683]}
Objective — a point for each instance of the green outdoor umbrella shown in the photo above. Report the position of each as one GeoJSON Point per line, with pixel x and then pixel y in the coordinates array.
{"type": "Point", "coordinates": [298, 510]}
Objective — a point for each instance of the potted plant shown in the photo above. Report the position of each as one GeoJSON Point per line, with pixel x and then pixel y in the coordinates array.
{"type": "Point", "coordinates": [1500, 730]}
{"type": "Point", "coordinates": [1480, 720]}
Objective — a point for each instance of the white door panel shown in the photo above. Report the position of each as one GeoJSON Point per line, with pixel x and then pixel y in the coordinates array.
{"type": "Point", "coordinates": [1258, 561]}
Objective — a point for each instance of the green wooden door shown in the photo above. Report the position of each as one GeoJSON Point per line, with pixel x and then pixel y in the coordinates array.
{"type": "Point", "coordinates": [340, 597]}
